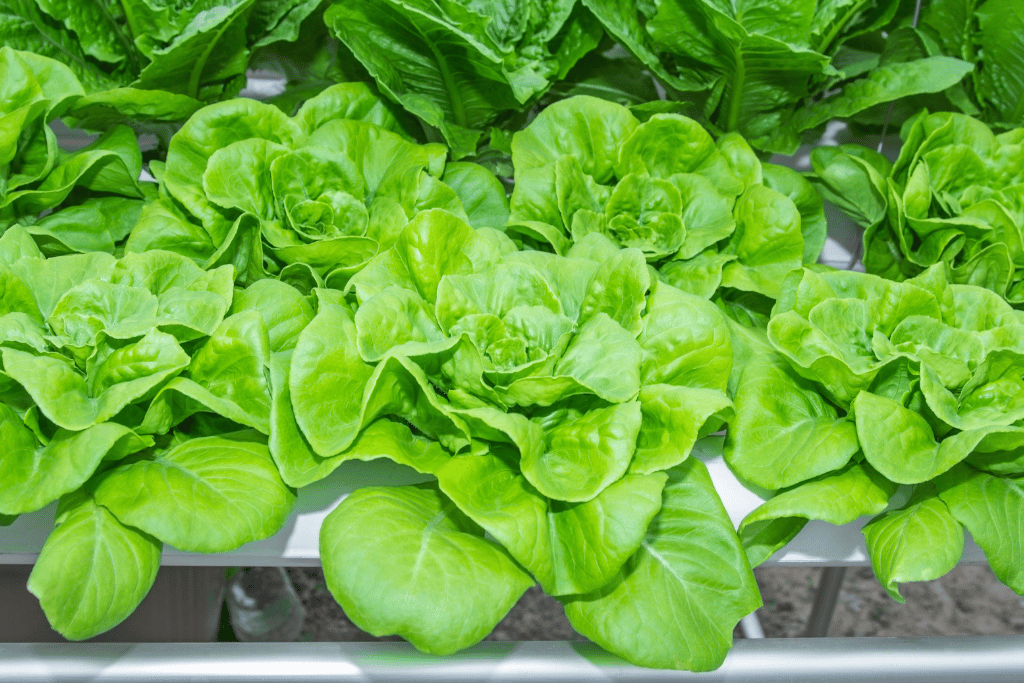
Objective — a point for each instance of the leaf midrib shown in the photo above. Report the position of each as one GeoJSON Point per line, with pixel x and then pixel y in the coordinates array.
{"type": "Point", "coordinates": [448, 79]}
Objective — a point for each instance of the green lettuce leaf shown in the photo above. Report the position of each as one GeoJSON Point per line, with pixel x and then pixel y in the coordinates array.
{"type": "Point", "coordinates": [428, 538]}
{"type": "Point", "coordinates": [665, 594]}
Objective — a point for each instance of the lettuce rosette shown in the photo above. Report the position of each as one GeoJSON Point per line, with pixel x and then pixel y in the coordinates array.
{"type": "Point", "coordinates": [71, 201]}
{"type": "Point", "coordinates": [309, 198]}
{"type": "Point", "coordinates": [129, 394]}
{"type": "Point", "coordinates": [552, 403]}
{"type": "Point", "coordinates": [955, 196]}
{"type": "Point", "coordinates": [902, 400]}
{"type": "Point", "coordinates": [706, 214]}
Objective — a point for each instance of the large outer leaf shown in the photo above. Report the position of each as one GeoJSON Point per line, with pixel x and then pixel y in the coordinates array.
{"type": "Point", "coordinates": [673, 419]}
{"type": "Point", "coordinates": [676, 602]}
{"type": "Point", "coordinates": [206, 495]}
{"type": "Point", "coordinates": [227, 376]}
{"type": "Point", "coordinates": [808, 202]}
{"type": "Point", "coordinates": [784, 431]}
{"type": "Point", "coordinates": [93, 571]}
{"type": "Point", "coordinates": [110, 164]}
{"type": "Point", "coordinates": [403, 560]}
{"type": "Point", "coordinates": [285, 311]}
{"type": "Point", "coordinates": [435, 72]}
{"type": "Point", "coordinates": [684, 342]}
{"type": "Point", "coordinates": [327, 381]}
{"type": "Point", "coordinates": [992, 509]}
{"type": "Point", "coordinates": [920, 541]}
{"type": "Point", "coordinates": [768, 242]}
{"type": "Point", "coordinates": [900, 443]}
{"type": "Point", "coordinates": [584, 456]}
{"type": "Point", "coordinates": [101, 110]}
{"type": "Point", "coordinates": [94, 225]}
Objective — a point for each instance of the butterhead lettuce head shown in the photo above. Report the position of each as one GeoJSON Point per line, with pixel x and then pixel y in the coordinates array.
{"type": "Point", "coordinates": [556, 400]}
{"type": "Point", "coordinates": [311, 197]}
{"type": "Point", "coordinates": [706, 213]}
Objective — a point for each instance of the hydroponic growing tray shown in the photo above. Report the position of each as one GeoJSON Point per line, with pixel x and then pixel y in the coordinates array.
{"type": "Point", "coordinates": [296, 545]}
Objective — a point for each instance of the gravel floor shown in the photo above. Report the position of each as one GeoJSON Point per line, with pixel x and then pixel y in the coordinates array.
{"type": "Point", "coordinates": [968, 600]}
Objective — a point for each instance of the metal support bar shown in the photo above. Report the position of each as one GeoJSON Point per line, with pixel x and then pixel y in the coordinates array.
{"type": "Point", "coordinates": [994, 659]}
{"type": "Point", "coordinates": [825, 601]}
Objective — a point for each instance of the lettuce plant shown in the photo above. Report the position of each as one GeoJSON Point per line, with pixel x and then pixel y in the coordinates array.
{"type": "Point", "coordinates": [126, 391]}
{"type": "Point", "coordinates": [151, 59]}
{"type": "Point", "coordinates": [554, 401]}
{"type": "Point", "coordinates": [311, 196]}
{"type": "Point", "coordinates": [955, 195]}
{"type": "Point", "coordinates": [459, 65]}
{"type": "Point", "coordinates": [707, 214]}
{"type": "Point", "coordinates": [772, 70]}
{"type": "Point", "coordinates": [902, 400]}
{"type": "Point", "coordinates": [84, 200]}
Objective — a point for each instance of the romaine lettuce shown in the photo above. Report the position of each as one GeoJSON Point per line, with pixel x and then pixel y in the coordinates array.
{"type": "Point", "coordinates": [986, 33]}
{"type": "Point", "coordinates": [771, 70]}
{"type": "Point", "coordinates": [150, 59]}
{"type": "Point", "coordinates": [459, 65]}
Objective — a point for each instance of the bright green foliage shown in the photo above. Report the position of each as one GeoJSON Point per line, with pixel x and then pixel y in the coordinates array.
{"type": "Point", "coordinates": [772, 69]}
{"type": "Point", "coordinates": [539, 387]}
{"type": "Point", "coordinates": [93, 571]}
{"type": "Point", "coordinates": [459, 65]}
{"type": "Point", "coordinates": [200, 494]}
{"type": "Point", "coordinates": [310, 197]}
{"type": "Point", "coordinates": [150, 59]}
{"type": "Point", "coordinates": [95, 189]}
{"type": "Point", "coordinates": [955, 195]}
{"type": "Point", "coordinates": [428, 539]}
{"type": "Point", "coordinates": [863, 384]}
{"type": "Point", "coordinates": [34, 475]}
{"type": "Point", "coordinates": [707, 214]}
{"type": "Point", "coordinates": [919, 541]}
{"type": "Point", "coordinates": [125, 388]}
{"type": "Point", "coordinates": [690, 560]}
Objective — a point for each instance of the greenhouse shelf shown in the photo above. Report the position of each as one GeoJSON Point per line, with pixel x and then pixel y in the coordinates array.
{"type": "Point", "coordinates": [993, 659]}
{"type": "Point", "coordinates": [296, 545]}
{"type": "Point", "coordinates": [752, 659]}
